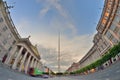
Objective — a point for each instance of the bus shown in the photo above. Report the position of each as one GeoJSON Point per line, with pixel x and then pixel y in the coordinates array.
{"type": "Point", "coordinates": [35, 72]}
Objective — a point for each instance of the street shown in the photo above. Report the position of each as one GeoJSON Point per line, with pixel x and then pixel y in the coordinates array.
{"type": "Point", "coordinates": [111, 73]}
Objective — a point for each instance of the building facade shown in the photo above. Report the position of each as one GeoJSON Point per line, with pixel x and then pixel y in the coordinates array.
{"type": "Point", "coordinates": [73, 67]}
{"type": "Point", "coordinates": [8, 32]}
{"type": "Point", "coordinates": [108, 34]}
{"type": "Point", "coordinates": [16, 52]}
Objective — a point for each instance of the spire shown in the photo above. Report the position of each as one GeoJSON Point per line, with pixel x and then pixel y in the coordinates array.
{"type": "Point", "coordinates": [59, 52]}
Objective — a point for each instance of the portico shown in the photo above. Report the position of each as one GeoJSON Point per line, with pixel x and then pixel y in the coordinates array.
{"type": "Point", "coordinates": [25, 56]}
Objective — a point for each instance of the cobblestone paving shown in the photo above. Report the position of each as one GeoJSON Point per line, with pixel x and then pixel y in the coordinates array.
{"type": "Point", "coordinates": [111, 73]}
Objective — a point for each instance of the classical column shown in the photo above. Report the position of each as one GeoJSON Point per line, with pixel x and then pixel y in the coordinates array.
{"type": "Point", "coordinates": [35, 62]}
{"type": "Point", "coordinates": [9, 58]}
{"type": "Point", "coordinates": [38, 64]}
{"type": "Point", "coordinates": [27, 64]}
{"type": "Point", "coordinates": [32, 65]}
{"type": "Point", "coordinates": [23, 61]}
{"type": "Point", "coordinates": [17, 58]}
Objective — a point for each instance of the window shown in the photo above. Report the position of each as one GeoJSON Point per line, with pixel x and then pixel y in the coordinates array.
{"type": "Point", "coordinates": [116, 30]}
{"type": "Point", "coordinates": [117, 19]}
{"type": "Point", "coordinates": [119, 32]}
{"type": "Point", "coordinates": [118, 11]}
{"type": "Point", "coordinates": [111, 37]}
{"type": "Point", "coordinates": [1, 19]}
{"type": "Point", "coordinates": [4, 42]}
{"type": "Point", "coordinates": [119, 23]}
{"type": "Point", "coordinates": [4, 28]}
{"type": "Point", "coordinates": [108, 35]}
{"type": "Point", "coordinates": [14, 42]}
{"type": "Point", "coordinates": [102, 47]}
{"type": "Point", "coordinates": [10, 48]}
{"type": "Point", "coordinates": [9, 36]}
{"type": "Point", "coordinates": [112, 27]}
{"type": "Point", "coordinates": [105, 42]}
{"type": "Point", "coordinates": [0, 34]}
{"type": "Point", "coordinates": [114, 40]}
{"type": "Point", "coordinates": [106, 14]}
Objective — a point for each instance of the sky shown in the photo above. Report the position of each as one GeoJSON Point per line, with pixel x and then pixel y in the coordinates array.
{"type": "Point", "coordinates": [76, 20]}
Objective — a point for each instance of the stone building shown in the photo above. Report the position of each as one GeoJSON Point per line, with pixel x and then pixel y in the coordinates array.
{"type": "Point", "coordinates": [108, 34]}
{"type": "Point", "coordinates": [16, 52]}
{"type": "Point", "coordinates": [73, 67]}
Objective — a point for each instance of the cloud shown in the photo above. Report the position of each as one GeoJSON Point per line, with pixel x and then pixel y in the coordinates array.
{"type": "Point", "coordinates": [72, 27]}
{"type": "Point", "coordinates": [22, 26]}
{"type": "Point", "coordinates": [58, 7]}
{"type": "Point", "coordinates": [72, 50]}
{"type": "Point", "coordinates": [44, 11]}
{"type": "Point", "coordinates": [55, 4]}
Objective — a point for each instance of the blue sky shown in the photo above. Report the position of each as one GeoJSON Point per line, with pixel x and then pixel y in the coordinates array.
{"type": "Point", "coordinates": [42, 19]}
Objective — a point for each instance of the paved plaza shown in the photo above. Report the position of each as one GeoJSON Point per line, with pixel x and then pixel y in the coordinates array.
{"type": "Point", "coordinates": [111, 73]}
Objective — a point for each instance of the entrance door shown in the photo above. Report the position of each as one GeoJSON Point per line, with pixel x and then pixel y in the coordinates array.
{"type": "Point", "coordinates": [4, 58]}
